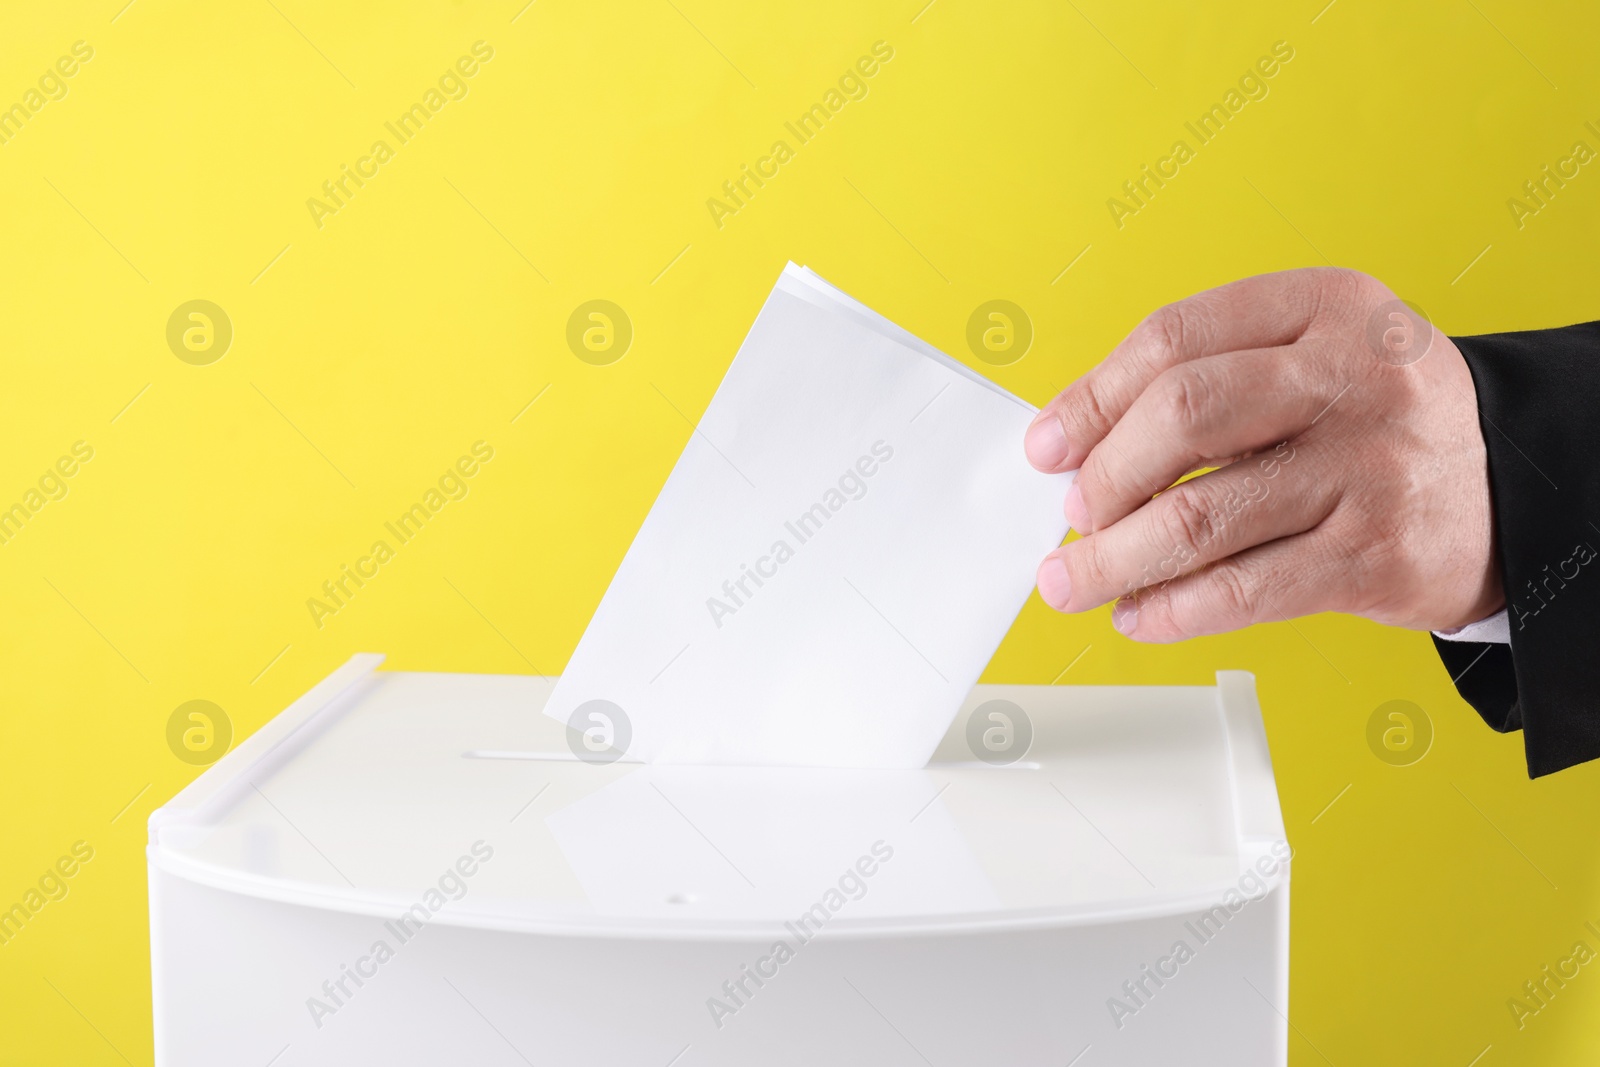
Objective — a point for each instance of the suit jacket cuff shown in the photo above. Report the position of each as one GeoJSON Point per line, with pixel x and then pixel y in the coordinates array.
{"type": "Point", "coordinates": [1538, 395]}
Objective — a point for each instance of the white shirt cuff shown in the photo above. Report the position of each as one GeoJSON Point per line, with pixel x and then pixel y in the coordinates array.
{"type": "Point", "coordinates": [1495, 630]}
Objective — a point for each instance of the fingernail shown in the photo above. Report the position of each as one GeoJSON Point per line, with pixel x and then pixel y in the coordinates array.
{"type": "Point", "coordinates": [1076, 513]}
{"type": "Point", "coordinates": [1125, 616]}
{"type": "Point", "coordinates": [1055, 585]}
{"type": "Point", "coordinates": [1046, 443]}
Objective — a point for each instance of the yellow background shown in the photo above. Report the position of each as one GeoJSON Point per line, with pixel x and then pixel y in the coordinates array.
{"type": "Point", "coordinates": [428, 312]}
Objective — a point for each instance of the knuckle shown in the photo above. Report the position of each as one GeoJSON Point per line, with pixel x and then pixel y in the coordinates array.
{"type": "Point", "coordinates": [1185, 523]}
{"type": "Point", "coordinates": [1189, 399]}
{"type": "Point", "coordinates": [1162, 334]}
{"type": "Point", "coordinates": [1082, 407]}
{"type": "Point", "coordinates": [1347, 278]}
{"type": "Point", "coordinates": [1228, 597]}
{"type": "Point", "coordinates": [1089, 570]}
{"type": "Point", "coordinates": [1157, 614]}
{"type": "Point", "coordinates": [1099, 486]}
{"type": "Point", "coordinates": [1339, 288]}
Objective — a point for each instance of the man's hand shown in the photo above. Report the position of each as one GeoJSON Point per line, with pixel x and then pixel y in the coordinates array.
{"type": "Point", "coordinates": [1352, 473]}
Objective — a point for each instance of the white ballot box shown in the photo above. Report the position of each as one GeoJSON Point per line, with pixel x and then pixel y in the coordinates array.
{"type": "Point", "coordinates": [408, 868]}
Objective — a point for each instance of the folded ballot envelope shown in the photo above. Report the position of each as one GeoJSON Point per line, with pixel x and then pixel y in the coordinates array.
{"type": "Point", "coordinates": [847, 537]}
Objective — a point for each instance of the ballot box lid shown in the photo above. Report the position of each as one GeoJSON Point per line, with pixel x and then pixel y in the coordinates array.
{"type": "Point", "coordinates": [382, 792]}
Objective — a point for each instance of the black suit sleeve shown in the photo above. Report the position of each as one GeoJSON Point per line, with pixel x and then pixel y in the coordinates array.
{"type": "Point", "coordinates": [1539, 407]}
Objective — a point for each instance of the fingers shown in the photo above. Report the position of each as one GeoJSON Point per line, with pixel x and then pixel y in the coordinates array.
{"type": "Point", "coordinates": [1274, 582]}
{"type": "Point", "coordinates": [1227, 405]}
{"type": "Point", "coordinates": [1202, 521]}
{"type": "Point", "coordinates": [1260, 312]}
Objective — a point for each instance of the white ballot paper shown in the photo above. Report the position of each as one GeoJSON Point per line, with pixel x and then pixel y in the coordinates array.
{"type": "Point", "coordinates": [847, 537]}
